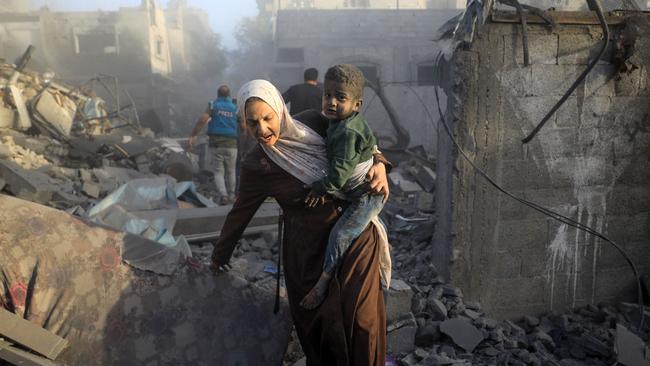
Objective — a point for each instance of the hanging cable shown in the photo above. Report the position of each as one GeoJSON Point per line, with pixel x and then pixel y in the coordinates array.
{"type": "Point", "coordinates": [545, 211]}
{"type": "Point", "coordinates": [603, 23]}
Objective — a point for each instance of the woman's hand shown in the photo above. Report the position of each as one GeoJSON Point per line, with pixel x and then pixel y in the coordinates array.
{"type": "Point", "coordinates": [218, 268]}
{"type": "Point", "coordinates": [378, 181]}
{"type": "Point", "coordinates": [314, 199]}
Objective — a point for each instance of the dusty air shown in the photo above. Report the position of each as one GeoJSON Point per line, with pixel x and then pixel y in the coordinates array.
{"type": "Point", "coordinates": [325, 182]}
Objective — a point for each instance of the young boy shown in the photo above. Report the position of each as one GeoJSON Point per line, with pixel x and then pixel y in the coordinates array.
{"type": "Point", "coordinates": [350, 145]}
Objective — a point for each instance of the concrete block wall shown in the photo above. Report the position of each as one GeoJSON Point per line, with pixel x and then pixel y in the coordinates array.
{"type": "Point", "coordinates": [590, 162]}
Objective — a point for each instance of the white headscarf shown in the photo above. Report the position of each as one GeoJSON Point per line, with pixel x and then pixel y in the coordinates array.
{"type": "Point", "coordinates": [299, 150]}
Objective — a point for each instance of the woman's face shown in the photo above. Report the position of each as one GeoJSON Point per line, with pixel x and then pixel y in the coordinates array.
{"type": "Point", "coordinates": [263, 122]}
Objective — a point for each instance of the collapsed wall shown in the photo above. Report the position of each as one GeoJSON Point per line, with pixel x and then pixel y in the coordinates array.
{"type": "Point", "coordinates": [589, 162]}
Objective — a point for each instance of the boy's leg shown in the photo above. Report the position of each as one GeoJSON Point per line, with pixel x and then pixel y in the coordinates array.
{"type": "Point", "coordinates": [349, 226]}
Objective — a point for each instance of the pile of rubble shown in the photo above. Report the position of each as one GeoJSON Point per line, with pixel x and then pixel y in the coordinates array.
{"type": "Point", "coordinates": [64, 146]}
{"type": "Point", "coordinates": [429, 323]}
{"type": "Point", "coordinates": [432, 325]}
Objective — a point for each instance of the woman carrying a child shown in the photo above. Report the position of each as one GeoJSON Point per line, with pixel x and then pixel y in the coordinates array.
{"type": "Point", "coordinates": [348, 327]}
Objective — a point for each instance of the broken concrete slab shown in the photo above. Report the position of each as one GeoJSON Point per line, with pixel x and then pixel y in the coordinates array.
{"type": "Point", "coordinates": [55, 110]}
{"type": "Point", "coordinates": [91, 189]}
{"type": "Point", "coordinates": [17, 356]}
{"type": "Point", "coordinates": [31, 185]}
{"type": "Point", "coordinates": [401, 334]}
{"type": "Point", "coordinates": [426, 178]}
{"type": "Point", "coordinates": [205, 223]}
{"type": "Point", "coordinates": [402, 184]}
{"type": "Point", "coordinates": [462, 332]}
{"type": "Point", "coordinates": [193, 315]}
{"type": "Point", "coordinates": [30, 335]}
{"type": "Point", "coordinates": [398, 300]}
{"type": "Point", "coordinates": [630, 349]}
{"type": "Point", "coordinates": [437, 309]}
{"type": "Point", "coordinates": [427, 335]}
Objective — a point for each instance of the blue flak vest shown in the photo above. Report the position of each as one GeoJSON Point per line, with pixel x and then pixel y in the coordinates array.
{"type": "Point", "coordinates": [223, 118]}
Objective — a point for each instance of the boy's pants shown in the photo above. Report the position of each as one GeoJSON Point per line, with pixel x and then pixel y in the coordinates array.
{"type": "Point", "coordinates": [349, 226]}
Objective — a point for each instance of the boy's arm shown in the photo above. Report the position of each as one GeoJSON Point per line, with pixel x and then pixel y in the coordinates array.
{"type": "Point", "coordinates": [344, 159]}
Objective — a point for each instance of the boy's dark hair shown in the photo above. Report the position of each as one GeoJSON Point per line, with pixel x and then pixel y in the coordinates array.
{"type": "Point", "coordinates": [349, 75]}
{"type": "Point", "coordinates": [311, 74]}
{"type": "Point", "coordinates": [223, 91]}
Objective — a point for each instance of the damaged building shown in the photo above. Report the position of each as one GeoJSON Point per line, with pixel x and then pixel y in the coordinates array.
{"type": "Point", "coordinates": [151, 51]}
{"type": "Point", "coordinates": [588, 162]}
{"type": "Point", "coordinates": [391, 42]}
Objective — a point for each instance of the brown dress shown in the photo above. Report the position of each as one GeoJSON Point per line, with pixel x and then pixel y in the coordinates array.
{"type": "Point", "coordinates": [349, 327]}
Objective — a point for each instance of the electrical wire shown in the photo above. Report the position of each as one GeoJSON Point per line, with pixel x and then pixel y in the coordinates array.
{"type": "Point", "coordinates": [545, 211]}
{"type": "Point", "coordinates": [581, 78]}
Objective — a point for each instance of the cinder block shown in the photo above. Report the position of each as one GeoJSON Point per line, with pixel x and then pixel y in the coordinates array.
{"type": "Point", "coordinates": [579, 49]}
{"type": "Point", "coordinates": [542, 49]}
{"type": "Point", "coordinates": [531, 110]}
{"type": "Point", "coordinates": [568, 115]}
{"type": "Point", "coordinates": [600, 81]}
{"type": "Point", "coordinates": [516, 81]}
{"type": "Point", "coordinates": [398, 300]}
{"type": "Point", "coordinates": [553, 80]}
{"type": "Point", "coordinates": [519, 175]}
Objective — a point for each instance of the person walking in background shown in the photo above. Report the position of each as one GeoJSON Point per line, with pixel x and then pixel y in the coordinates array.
{"type": "Point", "coordinates": [221, 118]}
{"type": "Point", "coordinates": [307, 95]}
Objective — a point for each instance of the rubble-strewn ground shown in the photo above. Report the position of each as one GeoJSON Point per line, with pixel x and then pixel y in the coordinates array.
{"type": "Point", "coordinates": [429, 323]}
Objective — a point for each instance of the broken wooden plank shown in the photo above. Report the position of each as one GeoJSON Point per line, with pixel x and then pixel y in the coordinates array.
{"type": "Point", "coordinates": [31, 335]}
{"type": "Point", "coordinates": [17, 356]}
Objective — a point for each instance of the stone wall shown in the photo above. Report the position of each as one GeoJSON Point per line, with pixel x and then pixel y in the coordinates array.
{"type": "Point", "coordinates": [590, 162]}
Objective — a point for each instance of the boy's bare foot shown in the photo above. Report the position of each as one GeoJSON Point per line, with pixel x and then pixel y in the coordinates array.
{"type": "Point", "coordinates": [317, 294]}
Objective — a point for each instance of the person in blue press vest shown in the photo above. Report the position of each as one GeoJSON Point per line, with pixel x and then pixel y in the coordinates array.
{"type": "Point", "coordinates": [221, 118]}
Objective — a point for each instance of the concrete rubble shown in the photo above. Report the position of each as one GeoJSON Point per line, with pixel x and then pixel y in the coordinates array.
{"type": "Point", "coordinates": [62, 147]}
{"type": "Point", "coordinates": [450, 331]}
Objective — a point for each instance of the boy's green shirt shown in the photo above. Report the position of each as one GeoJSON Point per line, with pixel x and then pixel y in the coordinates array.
{"type": "Point", "coordinates": [349, 142]}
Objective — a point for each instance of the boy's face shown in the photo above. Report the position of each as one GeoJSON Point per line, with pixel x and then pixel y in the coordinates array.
{"type": "Point", "coordinates": [338, 101]}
